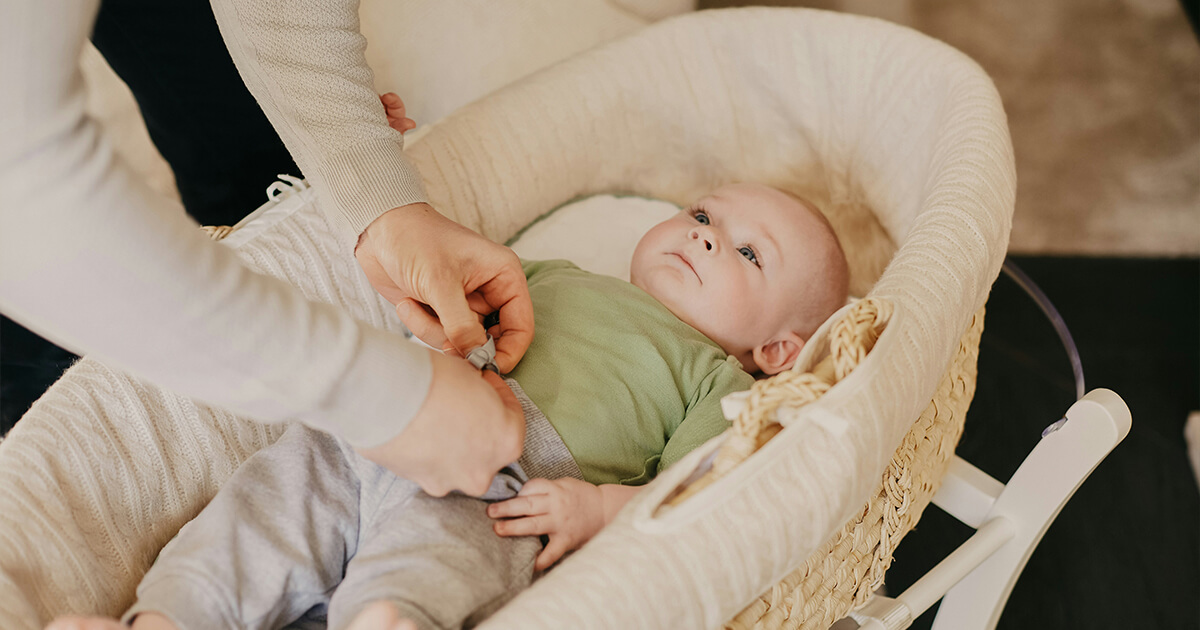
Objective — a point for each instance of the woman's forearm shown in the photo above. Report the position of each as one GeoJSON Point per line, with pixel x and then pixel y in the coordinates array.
{"type": "Point", "coordinates": [92, 259]}
{"type": "Point", "coordinates": [307, 69]}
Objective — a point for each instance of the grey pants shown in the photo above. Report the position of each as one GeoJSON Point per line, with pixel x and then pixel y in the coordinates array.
{"type": "Point", "coordinates": [308, 528]}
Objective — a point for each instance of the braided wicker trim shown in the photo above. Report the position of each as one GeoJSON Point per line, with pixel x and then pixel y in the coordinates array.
{"type": "Point", "coordinates": [843, 574]}
{"type": "Point", "coordinates": [849, 342]}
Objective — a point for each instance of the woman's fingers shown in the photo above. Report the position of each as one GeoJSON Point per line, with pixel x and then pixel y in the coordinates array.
{"type": "Point", "coordinates": [421, 322]}
{"type": "Point", "coordinates": [478, 303]}
{"type": "Point", "coordinates": [508, 293]}
{"type": "Point", "coordinates": [425, 325]}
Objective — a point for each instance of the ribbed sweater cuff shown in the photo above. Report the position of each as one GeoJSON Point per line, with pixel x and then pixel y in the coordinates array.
{"type": "Point", "coordinates": [363, 182]}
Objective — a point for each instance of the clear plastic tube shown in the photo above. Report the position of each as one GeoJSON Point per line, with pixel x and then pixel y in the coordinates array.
{"type": "Point", "coordinates": [1060, 327]}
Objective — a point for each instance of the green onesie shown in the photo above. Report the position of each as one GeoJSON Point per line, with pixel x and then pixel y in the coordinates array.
{"type": "Point", "coordinates": [629, 387]}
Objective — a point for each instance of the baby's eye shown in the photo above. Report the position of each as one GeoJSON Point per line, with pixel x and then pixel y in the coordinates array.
{"type": "Point", "coordinates": [700, 216]}
{"type": "Point", "coordinates": [748, 252]}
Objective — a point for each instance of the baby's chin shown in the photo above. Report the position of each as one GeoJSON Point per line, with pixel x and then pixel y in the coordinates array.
{"type": "Point", "coordinates": [647, 282]}
{"type": "Point", "coordinates": [685, 315]}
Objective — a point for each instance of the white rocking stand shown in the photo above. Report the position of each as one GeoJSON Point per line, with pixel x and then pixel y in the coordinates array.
{"type": "Point", "coordinates": [974, 581]}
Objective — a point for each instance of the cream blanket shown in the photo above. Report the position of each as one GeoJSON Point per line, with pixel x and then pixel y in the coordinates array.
{"type": "Point", "coordinates": [899, 138]}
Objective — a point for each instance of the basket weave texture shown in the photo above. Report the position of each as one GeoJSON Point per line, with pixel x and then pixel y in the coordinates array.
{"type": "Point", "coordinates": [842, 575]}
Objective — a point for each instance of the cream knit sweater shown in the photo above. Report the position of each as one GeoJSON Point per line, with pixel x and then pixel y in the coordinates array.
{"type": "Point", "coordinates": [95, 261]}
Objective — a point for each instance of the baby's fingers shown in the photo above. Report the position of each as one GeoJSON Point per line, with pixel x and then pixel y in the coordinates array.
{"type": "Point", "coordinates": [554, 550]}
{"type": "Point", "coordinates": [537, 485]}
{"type": "Point", "coordinates": [401, 124]}
{"type": "Point", "coordinates": [393, 103]}
{"type": "Point", "coordinates": [397, 115]}
{"type": "Point", "coordinates": [528, 526]}
{"type": "Point", "coordinates": [531, 505]}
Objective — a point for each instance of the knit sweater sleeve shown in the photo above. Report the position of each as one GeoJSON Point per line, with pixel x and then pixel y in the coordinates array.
{"type": "Point", "coordinates": [95, 261]}
{"type": "Point", "coordinates": [304, 62]}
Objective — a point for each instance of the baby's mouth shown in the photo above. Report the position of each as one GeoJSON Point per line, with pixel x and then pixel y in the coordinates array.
{"type": "Point", "coordinates": [688, 262]}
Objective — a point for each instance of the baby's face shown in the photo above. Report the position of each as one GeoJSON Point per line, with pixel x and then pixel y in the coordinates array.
{"type": "Point", "coordinates": [734, 265]}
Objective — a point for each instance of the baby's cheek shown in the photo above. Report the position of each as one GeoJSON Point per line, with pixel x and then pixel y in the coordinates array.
{"type": "Point", "coordinates": [740, 315]}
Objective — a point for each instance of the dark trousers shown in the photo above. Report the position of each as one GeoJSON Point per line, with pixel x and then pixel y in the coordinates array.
{"type": "Point", "coordinates": [199, 113]}
{"type": "Point", "coordinates": [204, 122]}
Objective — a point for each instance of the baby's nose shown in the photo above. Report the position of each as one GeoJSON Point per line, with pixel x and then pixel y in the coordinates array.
{"type": "Point", "coordinates": [710, 243]}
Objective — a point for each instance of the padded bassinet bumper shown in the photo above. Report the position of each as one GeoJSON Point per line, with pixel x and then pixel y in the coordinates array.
{"type": "Point", "coordinates": [899, 138]}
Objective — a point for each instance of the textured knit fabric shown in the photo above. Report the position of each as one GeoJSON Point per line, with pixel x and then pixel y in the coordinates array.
{"type": "Point", "coordinates": [628, 386]}
{"type": "Point", "coordinates": [901, 141]}
{"type": "Point", "coordinates": [307, 523]}
{"type": "Point", "coordinates": [308, 527]}
{"type": "Point", "coordinates": [93, 260]}
{"type": "Point", "coordinates": [304, 63]}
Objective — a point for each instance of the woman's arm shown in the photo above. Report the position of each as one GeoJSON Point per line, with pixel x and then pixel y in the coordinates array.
{"type": "Point", "coordinates": [91, 258]}
{"type": "Point", "coordinates": [304, 62]}
{"type": "Point", "coordinates": [94, 260]}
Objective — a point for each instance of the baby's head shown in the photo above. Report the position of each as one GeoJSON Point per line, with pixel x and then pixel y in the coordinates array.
{"type": "Point", "coordinates": [753, 268]}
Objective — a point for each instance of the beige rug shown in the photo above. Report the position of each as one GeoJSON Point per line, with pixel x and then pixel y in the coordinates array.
{"type": "Point", "coordinates": [1103, 100]}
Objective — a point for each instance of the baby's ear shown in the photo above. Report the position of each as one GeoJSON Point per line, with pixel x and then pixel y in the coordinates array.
{"type": "Point", "coordinates": [778, 354]}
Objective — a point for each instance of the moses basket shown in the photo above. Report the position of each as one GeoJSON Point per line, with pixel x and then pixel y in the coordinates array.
{"type": "Point", "coordinates": [787, 520]}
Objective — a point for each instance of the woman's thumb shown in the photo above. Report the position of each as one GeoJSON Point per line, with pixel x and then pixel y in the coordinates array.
{"type": "Point", "coordinates": [459, 322]}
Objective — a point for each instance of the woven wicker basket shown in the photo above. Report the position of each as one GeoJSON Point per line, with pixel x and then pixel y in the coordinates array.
{"type": "Point", "coordinates": [842, 575]}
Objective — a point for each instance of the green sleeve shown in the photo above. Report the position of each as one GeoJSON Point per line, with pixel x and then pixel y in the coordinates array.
{"type": "Point", "coordinates": [704, 419]}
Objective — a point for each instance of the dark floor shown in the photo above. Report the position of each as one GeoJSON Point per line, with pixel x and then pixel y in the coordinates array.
{"type": "Point", "coordinates": [1125, 552]}
{"type": "Point", "coordinates": [28, 364]}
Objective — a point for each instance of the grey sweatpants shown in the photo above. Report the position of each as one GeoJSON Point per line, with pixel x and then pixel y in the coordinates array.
{"type": "Point", "coordinates": [307, 527]}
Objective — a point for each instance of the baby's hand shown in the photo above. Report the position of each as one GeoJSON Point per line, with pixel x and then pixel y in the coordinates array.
{"type": "Point", "coordinates": [394, 107]}
{"type": "Point", "coordinates": [568, 510]}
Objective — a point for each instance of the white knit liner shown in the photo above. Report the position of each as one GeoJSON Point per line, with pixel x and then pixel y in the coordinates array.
{"type": "Point", "coordinates": [899, 138]}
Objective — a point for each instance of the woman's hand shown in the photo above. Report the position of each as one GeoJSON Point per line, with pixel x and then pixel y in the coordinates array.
{"type": "Point", "coordinates": [469, 427]}
{"type": "Point", "coordinates": [569, 511]}
{"type": "Point", "coordinates": [443, 278]}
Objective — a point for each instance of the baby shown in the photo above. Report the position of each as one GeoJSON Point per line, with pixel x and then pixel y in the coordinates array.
{"type": "Point", "coordinates": [621, 381]}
